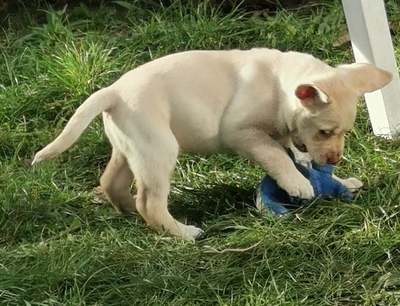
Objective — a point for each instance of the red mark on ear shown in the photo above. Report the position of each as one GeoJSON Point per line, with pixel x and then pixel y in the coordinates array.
{"type": "Point", "coordinates": [304, 92]}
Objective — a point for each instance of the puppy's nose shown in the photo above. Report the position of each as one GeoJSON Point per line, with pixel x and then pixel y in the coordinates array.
{"type": "Point", "coordinates": [333, 158]}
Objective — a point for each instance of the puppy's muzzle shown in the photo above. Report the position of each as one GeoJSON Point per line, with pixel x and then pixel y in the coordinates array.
{"type": "Point", "coordinates": [333, 158]}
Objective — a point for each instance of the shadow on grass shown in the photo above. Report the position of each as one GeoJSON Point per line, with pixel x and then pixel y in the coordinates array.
{"type": "Point", "coordinates": [199, 205]}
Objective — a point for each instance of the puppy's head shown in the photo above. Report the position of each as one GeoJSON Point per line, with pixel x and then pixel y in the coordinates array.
{"type": "Point", "coordinates": [327, 108]}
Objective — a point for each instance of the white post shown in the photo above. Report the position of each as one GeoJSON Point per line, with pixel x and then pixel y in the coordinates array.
{"type": "Point", "coordinates": [370, 37]}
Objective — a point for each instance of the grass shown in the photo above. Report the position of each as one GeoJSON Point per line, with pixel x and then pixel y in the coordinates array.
{"type": "Point", "coordinates": [60, 245]}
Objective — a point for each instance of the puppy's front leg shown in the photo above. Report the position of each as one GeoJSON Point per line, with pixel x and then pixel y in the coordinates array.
{"type": "Point", "coordinates": [260, 147]}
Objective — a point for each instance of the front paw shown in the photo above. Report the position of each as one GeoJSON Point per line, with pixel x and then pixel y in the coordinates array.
{"type": "Point", "coordinates": [297, 186]}
{"type": "Point", "coordinates": [352, 184]}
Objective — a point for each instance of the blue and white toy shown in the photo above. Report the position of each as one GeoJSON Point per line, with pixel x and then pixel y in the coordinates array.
{"type": "Point", "coordinates": [272, 198]}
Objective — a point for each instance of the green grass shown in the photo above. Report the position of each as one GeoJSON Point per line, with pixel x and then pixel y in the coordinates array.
{"type": "Point", "coordinates": [59, 245]}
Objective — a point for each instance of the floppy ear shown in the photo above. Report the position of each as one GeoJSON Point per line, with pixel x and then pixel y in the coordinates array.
{"type": "Point", "coordinates": [310, 96]}
{"type": "Point", "coordinates": [365, 77]}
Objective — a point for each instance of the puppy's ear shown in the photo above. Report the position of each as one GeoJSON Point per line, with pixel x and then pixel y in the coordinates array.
{"type": "Point", "coordinates": [365, 77]}
{"type": "Point", "coordinates": [310, 96]}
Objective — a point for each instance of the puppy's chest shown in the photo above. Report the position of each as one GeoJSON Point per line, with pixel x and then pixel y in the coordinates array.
{"type": "Point", "coordinates": [198, 138]}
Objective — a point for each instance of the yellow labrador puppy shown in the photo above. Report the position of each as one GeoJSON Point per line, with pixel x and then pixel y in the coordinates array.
{"type": "Point", "coordinates": [251, 102]}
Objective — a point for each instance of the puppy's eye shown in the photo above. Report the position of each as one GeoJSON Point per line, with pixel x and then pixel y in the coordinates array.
{"type": "Point", "coordinates": [325, 132]}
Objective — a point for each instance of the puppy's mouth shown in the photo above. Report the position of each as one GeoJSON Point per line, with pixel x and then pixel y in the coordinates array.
{"type": "Point", "coordinates": [301, 147]}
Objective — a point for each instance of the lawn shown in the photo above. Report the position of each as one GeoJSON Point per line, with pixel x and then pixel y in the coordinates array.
{"type": "Point", "coordinates": [60, 244]}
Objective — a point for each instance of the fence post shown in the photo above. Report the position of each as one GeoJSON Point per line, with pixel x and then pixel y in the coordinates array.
{"type": "Point", "coordinates": [371, 41]}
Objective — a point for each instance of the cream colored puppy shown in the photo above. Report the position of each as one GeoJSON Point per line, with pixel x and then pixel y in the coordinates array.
{"type": "Point", "coordinates": [251, 102]}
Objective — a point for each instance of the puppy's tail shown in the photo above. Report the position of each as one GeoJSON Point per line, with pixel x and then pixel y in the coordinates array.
{"type": "Point", "coordinates": [98, 102]}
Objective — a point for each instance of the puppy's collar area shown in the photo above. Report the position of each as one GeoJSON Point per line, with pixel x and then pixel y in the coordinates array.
{"type": "Point", "coordinates": [292, 125]}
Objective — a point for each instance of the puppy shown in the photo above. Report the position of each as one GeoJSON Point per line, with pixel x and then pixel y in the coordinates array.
{"type": "Point", "coordinates": [252, 102]}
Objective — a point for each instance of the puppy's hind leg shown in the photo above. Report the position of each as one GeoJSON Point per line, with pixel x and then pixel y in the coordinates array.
{"type": "Point", "coordinates": [153, 164]}
{"type": "Point", "coordinates": [116, 183]}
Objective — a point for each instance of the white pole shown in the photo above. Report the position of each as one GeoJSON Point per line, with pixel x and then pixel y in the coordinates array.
{"type": "Point", "coordinates": [370, 37]}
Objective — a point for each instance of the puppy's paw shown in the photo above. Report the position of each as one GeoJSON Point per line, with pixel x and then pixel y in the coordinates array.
{"type": "Point", "coordinates": [194, 233]}
{"type": "Point", "coordinates": [43, 155]}
{"type": "Point", "coordinates": [352, 184]}
{"type": "Point", "coordinates": [297, 186]}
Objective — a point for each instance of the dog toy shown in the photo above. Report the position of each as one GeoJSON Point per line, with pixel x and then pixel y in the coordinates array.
{"type": "Point", "coordinates": [270, 197]}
